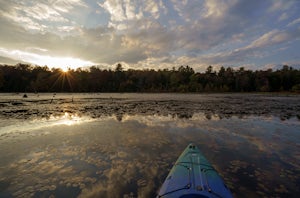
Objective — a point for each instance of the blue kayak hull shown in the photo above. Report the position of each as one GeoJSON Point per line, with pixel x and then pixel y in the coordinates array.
{"type": "Point", "coordinates": [193, 176]}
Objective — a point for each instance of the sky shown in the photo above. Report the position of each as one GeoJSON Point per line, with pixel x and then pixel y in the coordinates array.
{"type": "Point", "coordinates": [152, 34]}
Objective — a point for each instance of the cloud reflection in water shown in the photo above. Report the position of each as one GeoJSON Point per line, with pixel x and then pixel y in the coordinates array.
{"type": "Point", "coordinates": [112, 157]}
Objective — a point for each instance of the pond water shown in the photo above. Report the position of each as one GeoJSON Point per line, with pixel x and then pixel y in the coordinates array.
{"type": "Point", "coordinates": [123, 145]}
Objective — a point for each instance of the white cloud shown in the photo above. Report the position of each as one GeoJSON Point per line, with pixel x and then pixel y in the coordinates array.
{"type": "Point", "coordinates": [41, 16]}
{"type": "Point", "coordinates": [188, 10]}
{"type": "Point", "coordinates": [281, 5]}
{"type": "Point", "coordinates": [115, 8]}
{"type": "Point", "coordinates": [40, 12]}
{"type": "Point", "coordinates": [120, 10]}
{"type": "Point", "coordinates": [130, 10]}
{"type": "Point", "coordinates": [153, 8]}
{"type": "Point", "coordinates": [283, 16]}
{"type": "Point", "coordinates": [126, 11]}
{"type": "Point", "coordinates": [264, 40]}
{"type": "Point", "coordinates": [272, 38]}
{"type": "Point", "coordinates": [294, 22]}
{"type": "Point", "coordinates": [66, 6]}
{"type": "Point", "coordinates": [217, 8]}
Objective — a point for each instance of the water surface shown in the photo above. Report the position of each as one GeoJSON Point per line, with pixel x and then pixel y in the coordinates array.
{"type": "Point", "coordinates": [123, 145]}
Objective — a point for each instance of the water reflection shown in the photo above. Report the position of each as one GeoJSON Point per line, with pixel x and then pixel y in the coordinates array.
{"type": "Point", "coordinates": [181, 105]}
{"type": "Point", "coordinates": [21, 126]}
{"type": "Point", "coordinates": [130, 157]}
{"type": "Point", "coordinates": [68, 119]}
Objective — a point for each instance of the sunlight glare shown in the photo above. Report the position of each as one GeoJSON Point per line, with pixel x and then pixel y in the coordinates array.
{"type": "Point", "coordinates": [51, 61]}
{"type": "Point", "coordinates": [69, 119]}
{"type": "Point", "coordinates": [65, 69]}
{"type": "Point", "coordinates": [65, 63]}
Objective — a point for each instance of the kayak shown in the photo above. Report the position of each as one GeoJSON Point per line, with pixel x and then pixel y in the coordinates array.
{"type": "Point", "coordinates": [193, 176]}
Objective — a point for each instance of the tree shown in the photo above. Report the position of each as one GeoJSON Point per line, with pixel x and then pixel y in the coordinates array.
{"type": "Point", "coordinates": [119, 68]}
{"type": "Point", "coordinates": [1, 79]}
{"type": "Point", "coordinates": [23, 77]}
{"type": "Point", "coordinates": [209, 70]}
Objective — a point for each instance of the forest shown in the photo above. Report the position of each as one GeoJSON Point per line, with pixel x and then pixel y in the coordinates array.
{"type": "Point", "coordinates": [28, 78]}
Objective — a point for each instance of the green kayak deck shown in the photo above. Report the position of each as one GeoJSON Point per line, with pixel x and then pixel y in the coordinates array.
{"type": "Point", "coordinates": [193, 176]}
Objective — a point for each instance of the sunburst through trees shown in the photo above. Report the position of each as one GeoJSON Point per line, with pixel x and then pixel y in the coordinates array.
{"type": "Point", "coordinates": [62, 79]}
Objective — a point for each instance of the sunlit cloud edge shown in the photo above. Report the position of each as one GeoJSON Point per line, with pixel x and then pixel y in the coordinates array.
{"type": "Point", "coordinates": [42, 60]}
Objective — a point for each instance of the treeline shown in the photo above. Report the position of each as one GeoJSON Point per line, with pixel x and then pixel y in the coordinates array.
{"type": "Point", "coordinates": [27, 78]}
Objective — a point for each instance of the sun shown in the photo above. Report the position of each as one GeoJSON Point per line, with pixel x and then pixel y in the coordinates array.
{"type": "Point", "coordinates": [65, 69]}
{"type": "Point", "coordinates": [63, 77]}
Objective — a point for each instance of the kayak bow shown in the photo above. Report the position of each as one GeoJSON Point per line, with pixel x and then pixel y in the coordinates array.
{"type": "Point", "coordinates": [193, 176]}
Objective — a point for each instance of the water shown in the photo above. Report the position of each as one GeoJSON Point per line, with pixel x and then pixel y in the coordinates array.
{"type": "Point", "coordinates": [123, 145]}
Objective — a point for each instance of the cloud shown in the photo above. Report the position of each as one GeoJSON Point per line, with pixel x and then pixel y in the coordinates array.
{"type": "Point", "coordinates": [123, 12]}
{"type": "Point", "coordinates": [283, 16]}
{"type": "Point", "coordinates": [267, 39]}
{"type": "Point", "coordinates": [153, 7]}
{"type": "Point", "coordinates": [127, 10]}
{"type": "Point", "coordinates": [143, 33]}
{"type": "Point", "coordinates": [91, 162]}
{"type": "Point", "coordinates": [115, 8]}
{"type": "Point", "coordinates": [7, 60]}
{"type": "Point", "coordinates": [281, 5]}
{"type": "Point", "coordinates": [257, 48]}
{"type": "Point", "coordinates": [294, 22]}
{"type": "Point", "coordinates": [216, 8]}
{"type": "Point", "coordinates": [41, 16]}
{"type": "Point", "coordinates": [211, 23]}
{"type": "Point", "coordinates": [274, 37]}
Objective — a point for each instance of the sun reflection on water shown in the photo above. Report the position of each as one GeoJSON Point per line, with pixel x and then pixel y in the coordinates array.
{"type": "Point", "coordinates": [67, 119]}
